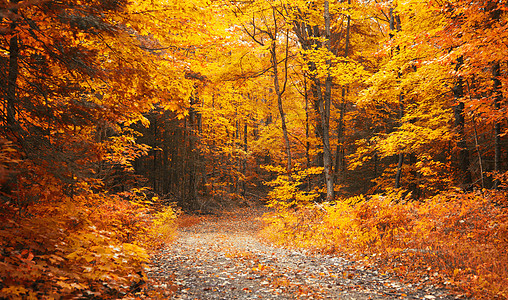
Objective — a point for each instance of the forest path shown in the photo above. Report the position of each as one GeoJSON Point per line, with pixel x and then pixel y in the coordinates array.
{"type": "Point", "coordinates": [224, 258]}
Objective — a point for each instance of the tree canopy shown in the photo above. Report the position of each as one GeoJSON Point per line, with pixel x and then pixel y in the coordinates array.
{"type": "Point", "coordinates": [111, 109]}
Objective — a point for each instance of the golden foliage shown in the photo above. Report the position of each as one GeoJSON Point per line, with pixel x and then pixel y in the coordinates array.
{"type": "Point", "coordinates": [460, 235]}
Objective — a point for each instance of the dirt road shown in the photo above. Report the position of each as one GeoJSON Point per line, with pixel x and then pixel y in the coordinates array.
{"type": "Point", "coordinates": [224, 258]}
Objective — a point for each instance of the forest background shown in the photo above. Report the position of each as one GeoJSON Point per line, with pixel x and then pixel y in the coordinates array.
{"type": "Point", "coordinates": [376, 128]}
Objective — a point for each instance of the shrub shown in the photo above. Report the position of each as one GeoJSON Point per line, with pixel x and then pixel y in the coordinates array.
{"type": "Point", "coordinates": [85, 246]}
{"type": "Point", "coordinates": [460, 236]}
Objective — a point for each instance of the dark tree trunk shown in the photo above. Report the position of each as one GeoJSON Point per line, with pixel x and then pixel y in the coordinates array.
{"type": "Point", "coordinates": [308, 36]}
{"type": "Point", "coordinates": [193, 153]}
{"type": "Point", "coordinates": [340, 164]}
{"type": "Point", "coordinates": [395, 25]}
{"type": "Point", "coordinates": [155, 162]}
{"type": "Point", "coordinates": [325, 114]}
{"type": "Point", "coordinates": [458, 92]}
{"type": "Point", "coordinates": [400, 160]}
{"type": "Point", "coordinates": [339, 152]}
{"type": "Point", "coordinates": [399, 170]}
{"type": "Point", "coordinates": [495, 15]}
{"type": "Point", "coordinates": [307, 132]}
{"type": "Point", "coordinates": [12, 76]}
{"type": "Point", "coordinates": [244, 159]}
{"type": "Point", "coordinates": [280, 91]}
{"type": "Point", "coordinates": [498, 97]}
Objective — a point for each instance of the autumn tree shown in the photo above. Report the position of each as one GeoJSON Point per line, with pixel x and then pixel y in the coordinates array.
{"type": "Point", "coordinates": [76, 75]}
{"type": "Point", "coordinates": [473, 34]}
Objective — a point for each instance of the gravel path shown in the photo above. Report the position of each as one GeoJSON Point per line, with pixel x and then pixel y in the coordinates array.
{"type": "Point", "coordinates": [223, 258]}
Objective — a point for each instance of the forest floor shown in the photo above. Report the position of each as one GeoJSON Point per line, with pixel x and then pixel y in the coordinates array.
{"type": "Point", "coordinates": [224, 257]}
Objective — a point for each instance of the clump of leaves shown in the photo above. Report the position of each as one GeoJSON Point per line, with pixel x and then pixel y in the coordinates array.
{"type": "Point", "coordinates": [134, 217]}
{"type": "Point", "coordinates": [287, 192]}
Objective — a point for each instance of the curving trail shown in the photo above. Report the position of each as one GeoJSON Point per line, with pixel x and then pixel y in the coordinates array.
{"type": "Point", "coordinates": [223, 258]}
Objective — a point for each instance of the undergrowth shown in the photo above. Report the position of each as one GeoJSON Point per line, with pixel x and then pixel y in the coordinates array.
{"type": "Point", "coordinates": [88, 245]}
{"type": "Point", "coordinates": [454, 239]}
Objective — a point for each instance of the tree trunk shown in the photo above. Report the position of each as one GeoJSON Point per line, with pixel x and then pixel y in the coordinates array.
{"type": "Point", "coordinates": [395, 25]}
{"type": "Point", "coordinates": [495, 14]}
{"type": "Point", "coordinates": [280, 91]}
{"type": "Point", "coordinates": [193, 152]}
{"type": "Point", "coordinates": [325, 115]}
{"type": "Point", "coordinates": [244, 160]}
{"type": "Point", "coordinates": [458, 93]}
{"type": "Point", "coordinates": [307, 135]}
{"type": "Point", "coordinates": [497, 127]}
{"type": "Point", "coordinates": [339, 151]}
{"type": "Point", "coordinates": [13, 75]}
{"type": "Point", "coordinates": [318, 127]}
{"type": "Point", "coordinates": [400, 162]}
{"type": "Point", "coordinates": [309, 36]}
{"type": "Point", "coordinates": [154, 149]}
{"type": "Point", "coordinates": [497, 106]}
{"type": "Point", "coordinates": [399, 170]}
{"type": "Point", "coordinates": [340, 165]}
